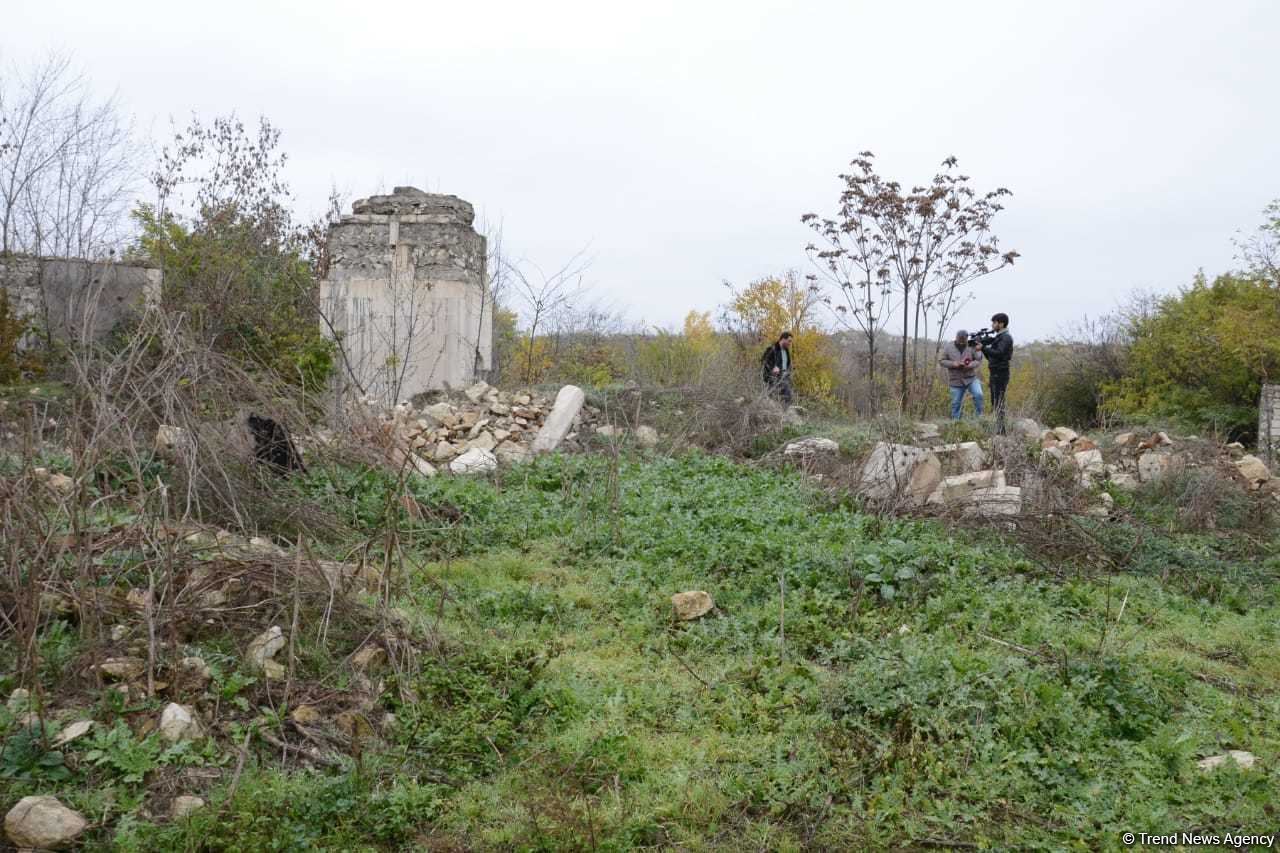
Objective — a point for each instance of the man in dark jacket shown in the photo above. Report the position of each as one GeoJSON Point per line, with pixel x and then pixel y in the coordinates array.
{"type": "Point", "coordinates": [999, 353]}
{"type": "Point", "coordinates": [776, 366]}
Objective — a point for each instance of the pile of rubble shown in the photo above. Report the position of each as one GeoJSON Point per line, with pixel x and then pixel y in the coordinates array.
{"type": "Point", "coordinates": [1132, 459]}
{"type": "Point", "coordinates": [483, 427]}
{"type": "Point", "coordinates": [965, 476]}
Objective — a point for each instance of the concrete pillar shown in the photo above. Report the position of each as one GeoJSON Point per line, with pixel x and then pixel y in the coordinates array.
{"type": "Point", "coordinates": [1269, 424]}
{"type": "Point", "coordinates": [407, 294]}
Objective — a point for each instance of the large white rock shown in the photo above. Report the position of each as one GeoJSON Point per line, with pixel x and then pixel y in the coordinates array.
{"type": "Point", "coordinates": [1065, 434]}
{"type": "Point", "coordinates": [963, 486]}
{"type": "Point", "coordinates": [73, 732]}
{"type": "Point", "coordinates": [171, 440]}
{"type": "Point", "coordinates": [960, 458]}
{"type": "Point", "coordinates": [692, 604]}
{"type": "Point", "coordinates": [900, 471]}
{"type": "Point", "coordinates": [474, 461]}
{"type": "Point", "coordinates": [1253, 469]}
{"type": "Point", "coordinates": [810, 446]}
{"type": "Point", "coordinates": [1241, 758]}
{"type": "Point", "coordinates": [1091, 465]}
{"type": "Point", "coordinates": [557, 425]}
{"type": "Point", "coordinates": [42, 823]}
{"type": "Point", "coordinates": [178, 722]}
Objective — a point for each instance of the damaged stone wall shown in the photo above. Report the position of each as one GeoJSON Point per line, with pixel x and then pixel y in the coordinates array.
{"type": "Point", "coordinates": [72, 298]}
{"type": "Point", "coordinates": [406, 293]}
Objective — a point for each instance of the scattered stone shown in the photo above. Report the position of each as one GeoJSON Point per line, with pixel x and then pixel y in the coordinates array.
{"type": "Point", "coordinates": [811, 446]}
{"type": "Point", "coordinates": [170, 440]}
{"type": "Point", "coordinates": [1090, 463]}
{"type": "Point", "coordinates": [1053, 455]}
{"type": "Point", "coordinates": [264, 648]}
{"type": "Point", "coordinates": [900, 470]}
{"type": "Point", "coordinates": [19, 700]}
{"type": "Point", "coordinates": [484, 441]}
{"type": "Point", "coordinates": [369, 658]}
{"type": "Point", "coordinates": [692, 605]}
{"type": "Point", "coordinates": [123, 668]}
{"type": "Point", "coordinates": [138, 599]}
{"type": "Point", "coordinates": [211, 599]}
{"type": "Point", "coordinates": [306, 715]}
{"type": "Point", "coordinates": [477, 392]}
{"type": "Point", "coordinates": [178, 722]}
{"type": "Point", "coordinates": [184, 805]}
{"type": "Point", "coordinates": [964, 486]}
{"type": "Point", "coordinates": [609, 431]}
{"type": "Point", "coordinates": [439, 411]}
{"type": "Point", "coordinates": [1242, 759]}
{"type": "Point", "coordinates": [557, 425]}
{"type": "Point", "coordinates": [1065, 434]}
{"type": "Point", "coordinates": [73, 732]}
{"type": "Point", "coordinates": [354, 725]}
{"type": "Point", "coordinates": [1083, 443]}
{"type": "Point", "coordinates": [1124, 439]}
{"type": "Point", "coordinates": [962, 458]}
{"type": "Point", "coordinates": [995, 501]}
{"type": "Point", "coordinates": [477, 460]}
{"type": "Point", "coordinates": [1027, 428]}
{"type": "Point", "coordinates": [1121, 479]}
{"type": "Point", "coordinates": [42, 823]}
{"type": "Point", "coordinates": [119, 632]}
{"type": "Point", "coordinates": [1153, 465]}
{"type": "Point", "coordinates": [1235, 445]}
{"type": "Point", "coordinates": [196, 669]}
{"type": "Point", "coordinates": [509, 452]}
{"type": "Point", "coordinates": [61, 483]}
{"type": "Point", "coordinates": [1253, 469]}
{"type": "Point", "coordinates": [647, 436]}
{"type": "Point", "coordinates": [444, 451]}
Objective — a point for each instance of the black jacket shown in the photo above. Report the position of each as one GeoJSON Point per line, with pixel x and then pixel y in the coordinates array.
{"type": "Point", "coordinates": [999, 352]}
{"type": "Point", "coordinates": [773, 358]}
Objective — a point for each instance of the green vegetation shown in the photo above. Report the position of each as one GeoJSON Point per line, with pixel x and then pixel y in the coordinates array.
{"type": "Point", "coordinates": [862, 682]}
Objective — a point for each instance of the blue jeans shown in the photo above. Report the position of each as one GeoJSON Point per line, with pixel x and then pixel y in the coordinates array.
{"type": "Point", "coordinates": [957, 398]}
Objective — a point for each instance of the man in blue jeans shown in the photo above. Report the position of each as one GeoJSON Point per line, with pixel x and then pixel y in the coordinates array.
{"type": "Point", "coordinates": [961, 362]}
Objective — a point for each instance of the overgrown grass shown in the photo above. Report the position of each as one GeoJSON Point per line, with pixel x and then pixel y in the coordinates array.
{"type": "Point", "coordinates": [862, 683]}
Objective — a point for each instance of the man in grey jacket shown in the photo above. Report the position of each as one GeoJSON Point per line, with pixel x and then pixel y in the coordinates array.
{"type": "Point", "coordinates": [961, 362]}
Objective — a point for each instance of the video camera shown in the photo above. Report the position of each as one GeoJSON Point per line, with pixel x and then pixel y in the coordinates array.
{"type": "Point", "coordinates": [986, 337]}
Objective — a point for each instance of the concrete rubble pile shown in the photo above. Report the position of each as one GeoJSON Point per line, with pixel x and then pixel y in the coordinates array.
{"type": "Point", "coordinates": [478, 429]}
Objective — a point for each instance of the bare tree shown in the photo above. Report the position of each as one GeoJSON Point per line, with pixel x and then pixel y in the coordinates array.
{"type": "Point", "coordinates": [545, 294]}
{"type": "Point", "coordinates": [1261, 251]}
{"type": "Point", "coordinates": [923, 247]}
{"type": "Point", "coordinates": [68, 163]}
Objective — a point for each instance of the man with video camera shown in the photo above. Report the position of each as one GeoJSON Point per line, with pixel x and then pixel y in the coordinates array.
{"type": "Point", "coordinates": [998, 348]}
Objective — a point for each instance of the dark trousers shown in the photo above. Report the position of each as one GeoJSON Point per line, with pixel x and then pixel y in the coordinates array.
{"type": "Point", "coordinates": [999, 383]}
{"type": "Point", "coordinates": [780, 388]}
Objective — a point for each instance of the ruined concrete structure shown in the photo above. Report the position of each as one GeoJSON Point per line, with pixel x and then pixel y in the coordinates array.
{"type": "Point", "coordinates": [74, 298]}
{"type": "Point", "coordinates": [407, 293]}
{"type": "Point", "coordinates": [1269, 424]}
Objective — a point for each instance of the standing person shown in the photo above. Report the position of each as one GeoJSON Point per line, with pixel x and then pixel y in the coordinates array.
{"type": "Point", "coordinates": [777, 365]}
{"type": "Point", "coordinates": [999, 352]}
{"type": "Point", "coordinates": [961, 362]}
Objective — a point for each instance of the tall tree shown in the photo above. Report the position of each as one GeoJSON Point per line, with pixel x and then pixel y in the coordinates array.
{"type": "Point", "coordinates": [67, 163]}
{"type": "Point", "coordinates": [918, 248]}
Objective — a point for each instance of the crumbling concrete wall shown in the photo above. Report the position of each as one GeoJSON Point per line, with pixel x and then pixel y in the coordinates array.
{"type": "Point", "coordinates": [1269, 424]}
{"type": "Point", "coordinates": [406, 293]}
{"type": "Point", "coordinates": [72, 298]}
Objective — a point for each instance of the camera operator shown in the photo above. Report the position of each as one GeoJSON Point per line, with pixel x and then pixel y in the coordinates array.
{"type": "Point", "coordinates": [999, 352]}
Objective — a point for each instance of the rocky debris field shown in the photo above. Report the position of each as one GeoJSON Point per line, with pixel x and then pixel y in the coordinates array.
{"type": "Point", "coordinates": [967, 475]}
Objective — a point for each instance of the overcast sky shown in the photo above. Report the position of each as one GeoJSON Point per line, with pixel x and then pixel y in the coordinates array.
{"type": "Point", "coordinates": [682, 141]}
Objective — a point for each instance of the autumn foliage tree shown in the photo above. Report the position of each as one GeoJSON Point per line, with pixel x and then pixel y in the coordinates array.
{"type": "Point", "coordinates": [760, 312]}
{"type": "Point", "coordinates": [911, 253]}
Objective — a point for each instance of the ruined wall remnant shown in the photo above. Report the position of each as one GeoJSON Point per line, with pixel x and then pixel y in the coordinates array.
{"type": "Point", "coordinates": [1269, 424]}
{"type": "Point", "coordinates": [76, 299]}
{"type": "Point", "coordinates": [406, 291]}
